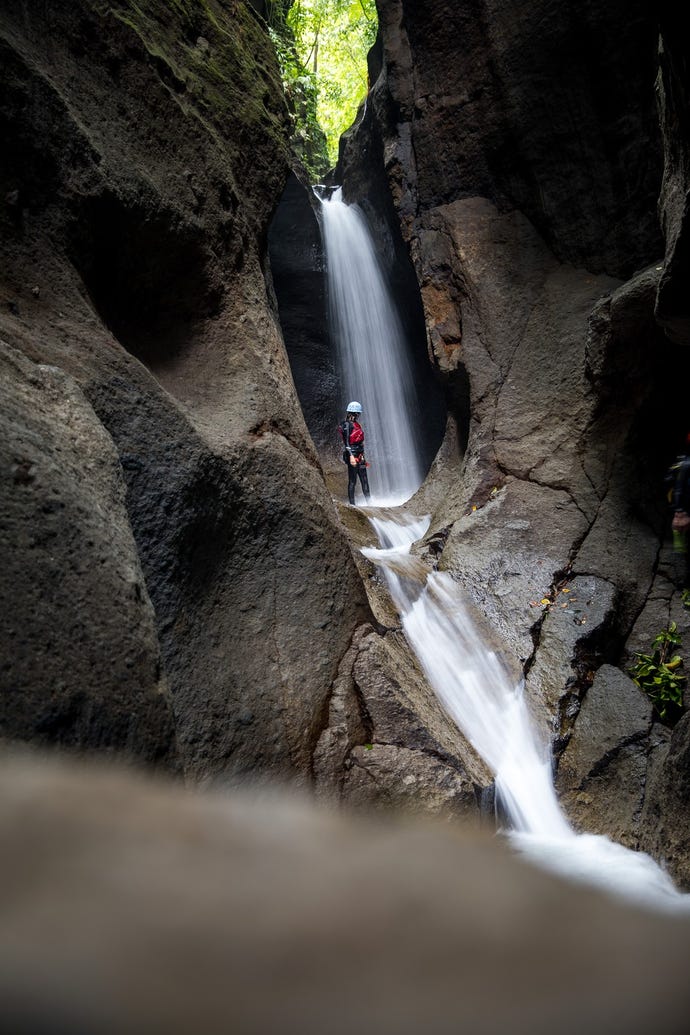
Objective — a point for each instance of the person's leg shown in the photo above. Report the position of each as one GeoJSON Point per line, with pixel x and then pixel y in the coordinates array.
{"type": "Point", "coordinates": [351, 482]}
{"type": "Point", "coordinates": [364, 479]}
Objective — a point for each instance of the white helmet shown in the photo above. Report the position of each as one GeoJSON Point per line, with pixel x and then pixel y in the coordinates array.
{"type": "Point", "coordinates": [354, 407]}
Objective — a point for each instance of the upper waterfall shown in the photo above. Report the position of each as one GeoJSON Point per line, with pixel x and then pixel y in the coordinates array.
{"type": "Point", "coordinates": [372, 352]}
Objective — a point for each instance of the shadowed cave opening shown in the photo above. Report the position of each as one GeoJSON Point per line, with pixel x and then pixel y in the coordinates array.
{"type": "Point", "coordinates": [147, 274]}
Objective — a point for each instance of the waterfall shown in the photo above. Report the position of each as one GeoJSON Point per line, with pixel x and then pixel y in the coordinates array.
{"type": "Point", "coordinates": [471, 682]}
{"type": "Point", "coordinates": [372, 352]}
{"type": "Point", "coordinates": [477, 693]}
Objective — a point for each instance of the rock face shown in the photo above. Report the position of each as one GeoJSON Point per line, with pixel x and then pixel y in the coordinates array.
{"type": "Point", "coordinates": [81, 659]}
{"type": "Point", "coordinates": [133, 235]}
{"type": "Point", "coordinates": [529, 108]}
{"type": "Point", "coordinates": [602, 771]}
{"type": "Point", "coordinates": [672, 309]}
{"type": "Point", "coordinates": [388, 744]}
{"type": "Point", "coordinates": [525, 173]}
{"type": "Point", "coordinates": [299, 279]}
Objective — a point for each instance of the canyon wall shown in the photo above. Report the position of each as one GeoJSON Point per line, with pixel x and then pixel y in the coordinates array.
{"type": "Point", "coordinates": [178, 584]}
{"type": "Point", "coordinates": [180, 587]}
{"type": "Point", "coordinates": [528, 152]}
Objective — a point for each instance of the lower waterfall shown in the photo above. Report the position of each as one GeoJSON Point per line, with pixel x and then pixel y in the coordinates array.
{"type": "Point", "coordinates": [476, 691]}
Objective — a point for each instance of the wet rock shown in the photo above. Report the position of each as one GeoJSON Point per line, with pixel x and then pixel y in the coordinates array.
{"type": "Point", "coordinates": [402, 707]}
{"type": "Point", "coordinates": [571, 643]}
{"type": "Point", "coordinates": [388, 742]}
{"type": "Point", "coordinates": [348, 725]}
{"type": "Point", "coordinates": [601, 773]}
{"type": "Point", "coordinates": [388, 776]}
{"type": "Point", "coordinates": [665, 820]}
{"type": "Point", "coordinates": [297, 269]}
{"type": "Point", "coordinates": [507, 585]}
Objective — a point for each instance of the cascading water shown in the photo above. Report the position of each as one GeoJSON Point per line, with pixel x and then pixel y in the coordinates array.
{"type": "Point", "coordinates": [477, 693]}
{"type": "Point", "coordinates": [470, 681]}
{"type": "Point", "coordinates": [372, 352]}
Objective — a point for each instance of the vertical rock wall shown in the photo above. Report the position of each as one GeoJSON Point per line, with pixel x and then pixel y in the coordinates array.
{"type": "Point", "coordinates": [144, 152]}
{"type": "Point", "coordinates": [523, 151]}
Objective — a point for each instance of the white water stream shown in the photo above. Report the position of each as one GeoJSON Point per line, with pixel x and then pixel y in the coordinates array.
{"type": "Point", "coordinates": [471, 682]}
{"type": "Point", "coordinates": [372, 352]}
{"type": "Point", "coordinates": [476, 692]}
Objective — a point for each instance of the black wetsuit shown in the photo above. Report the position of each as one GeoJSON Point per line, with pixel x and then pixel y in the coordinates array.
{"type": "Point", "coordinates": [355, 449]}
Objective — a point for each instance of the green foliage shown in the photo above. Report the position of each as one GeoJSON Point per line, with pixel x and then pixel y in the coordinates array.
{"type": "Point", "coordinates": [301, 91]}
{"type": "Point", "coordinates": [659, 676]}
{"type": "Point", "coordinates": [322, 47]}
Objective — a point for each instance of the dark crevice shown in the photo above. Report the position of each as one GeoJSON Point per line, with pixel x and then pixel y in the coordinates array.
{"type": "Point", "coordinates": [364, 715]}
{"type": "Point", "coordinates": [147, 273]}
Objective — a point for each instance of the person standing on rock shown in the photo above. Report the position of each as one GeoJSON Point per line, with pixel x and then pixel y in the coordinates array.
{"type": "Point", "coordinates": [353, 454]}
{"type": "Point", "coordinates": [679, 494]}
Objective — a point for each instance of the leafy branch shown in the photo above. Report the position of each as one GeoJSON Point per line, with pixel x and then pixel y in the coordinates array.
{"type": "Point", "coordinates": [340, 32]}
{"type": "Point", "coordinates": [659, 675]}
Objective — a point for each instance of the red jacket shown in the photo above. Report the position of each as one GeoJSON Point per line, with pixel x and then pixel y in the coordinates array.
{"type": "Point", "coordinates": [353, 436]}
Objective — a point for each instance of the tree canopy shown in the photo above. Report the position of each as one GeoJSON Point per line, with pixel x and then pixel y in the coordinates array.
{"type": "Point", "coordinates": [324, 65]}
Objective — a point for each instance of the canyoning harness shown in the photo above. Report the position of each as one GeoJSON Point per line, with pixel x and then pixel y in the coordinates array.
{"type": "Point", "coordinates": [353, 438]}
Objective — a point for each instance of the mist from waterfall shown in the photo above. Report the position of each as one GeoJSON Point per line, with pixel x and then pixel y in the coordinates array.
{"type": "Point", "coordinates": [476, 691]}
{"type": "Point", "coordinates": [372, 352]}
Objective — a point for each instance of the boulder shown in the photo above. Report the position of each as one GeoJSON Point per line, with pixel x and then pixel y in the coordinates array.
{"type": "Point", "coordinates": [601, 773]}
{"type": "Point", "coordinates": [388, 742]}
{"type": "Point", "coordinates": [570, 643]}
{"type": "Point", "coordinates": [664, 822]}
